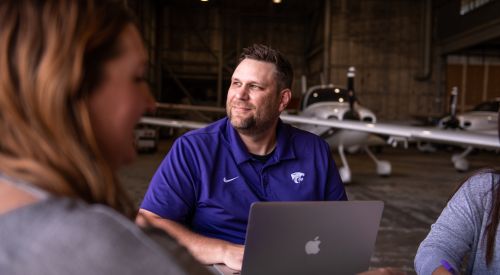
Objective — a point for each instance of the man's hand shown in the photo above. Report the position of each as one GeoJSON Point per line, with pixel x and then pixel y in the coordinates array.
{"type": "Point", "coordinates": [233, 255]}
{"type": "Point", "coordinates": [204, 249]}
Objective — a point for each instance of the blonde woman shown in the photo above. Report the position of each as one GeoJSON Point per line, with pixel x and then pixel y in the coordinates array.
{"type": "Point", "coordinates": [72, 87]}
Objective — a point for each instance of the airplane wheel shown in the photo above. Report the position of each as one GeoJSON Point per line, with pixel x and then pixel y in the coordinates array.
{"type": "Point", "coordinates": [460, 164]}
{"type": "Point", "coordinates": [345, 174]}
{"type": "Point", "coordinates": [384, 168]}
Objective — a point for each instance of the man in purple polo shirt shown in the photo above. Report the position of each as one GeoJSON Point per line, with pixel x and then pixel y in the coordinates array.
{"type": "Point", "coordinates": [202, 191]}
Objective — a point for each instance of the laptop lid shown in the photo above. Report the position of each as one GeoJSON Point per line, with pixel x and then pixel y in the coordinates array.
{"type": "Point", "coordinates": [322, 237]}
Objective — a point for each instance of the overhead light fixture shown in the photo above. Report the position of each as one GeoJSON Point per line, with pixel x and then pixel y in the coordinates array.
{"type": "Point", "coordinates": [276, 1]}
{"type": "Point", "coordinates": [204, 0]}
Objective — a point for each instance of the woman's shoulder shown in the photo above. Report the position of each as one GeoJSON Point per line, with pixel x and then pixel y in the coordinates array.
{"type": "Point", "coordinates": [62, 222]}
{"type": "Point", "coordinates": [77, 236]}
{"type": "Point", "coordinates": [481, 182]}
{"type": "Point", "coordinates": [477, 189]}
{"type": "Point", "coordinates": [75, 216]}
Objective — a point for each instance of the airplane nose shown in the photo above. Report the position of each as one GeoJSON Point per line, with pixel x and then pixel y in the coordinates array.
{"type": "Point", "coordinates": [351, 115]}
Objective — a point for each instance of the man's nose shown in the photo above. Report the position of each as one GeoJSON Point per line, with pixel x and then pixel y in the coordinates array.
{"type": "Point", "coordinates": [242, 92]}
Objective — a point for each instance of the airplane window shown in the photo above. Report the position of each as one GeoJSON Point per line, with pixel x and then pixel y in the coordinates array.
{"type": "Point", "coordinates": [326, 94]}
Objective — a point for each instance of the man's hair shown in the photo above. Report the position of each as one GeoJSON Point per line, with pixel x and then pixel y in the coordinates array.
{"type": "Point", "coordinates": [52, 55]}
{"type": "Point", "coordinates": [284, 71]}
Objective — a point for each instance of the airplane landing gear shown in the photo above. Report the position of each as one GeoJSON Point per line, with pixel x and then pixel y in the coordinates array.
{"type": "Point", "coordinates": [459, 160]}
{"type": "Point", "coordinates": [384, 168]}
{"type": "Point", "coordinates": [344, 171]}
{"type": "Point", "coordinates": [345, 174]}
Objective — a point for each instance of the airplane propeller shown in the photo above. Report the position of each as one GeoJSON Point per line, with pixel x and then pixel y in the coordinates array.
{"type": "Point", "coordinates": [352, 114]}
{"type": "Point", "coordinates": [453, 122]}
{"type": "Point", "coordinates": [383, 167]}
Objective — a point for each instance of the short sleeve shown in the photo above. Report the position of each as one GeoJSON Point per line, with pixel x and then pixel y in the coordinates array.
{"type": "Point", "coordinates": [171, 193]}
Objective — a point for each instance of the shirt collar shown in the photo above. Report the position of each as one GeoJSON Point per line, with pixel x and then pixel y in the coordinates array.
{"type": "Point", "coordinates": [284, 148]}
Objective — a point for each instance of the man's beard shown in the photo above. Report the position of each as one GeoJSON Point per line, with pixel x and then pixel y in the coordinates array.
{"type": "Point", "coordinates": [251, 125]}
{"type": "Point", "coordinates": [242, 124]}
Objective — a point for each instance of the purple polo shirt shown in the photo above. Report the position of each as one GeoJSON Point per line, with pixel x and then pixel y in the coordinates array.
{"type": "Point", "coordinates": [208, 180]}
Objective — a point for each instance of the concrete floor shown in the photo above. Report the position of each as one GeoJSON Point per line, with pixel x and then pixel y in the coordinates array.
{"type": "Point", "coordinates": [414, 194]}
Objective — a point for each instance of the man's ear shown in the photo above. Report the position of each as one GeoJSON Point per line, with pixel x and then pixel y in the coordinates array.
{"type": "Point", "coordinates": [285, 97]}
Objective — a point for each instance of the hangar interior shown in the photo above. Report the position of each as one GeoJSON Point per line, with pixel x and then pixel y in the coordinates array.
{"type": "Point", "coordinates": [408, 55]}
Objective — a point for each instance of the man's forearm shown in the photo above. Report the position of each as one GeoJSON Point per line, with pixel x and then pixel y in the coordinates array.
{"type": "Point", "coordinates": [204, 249]}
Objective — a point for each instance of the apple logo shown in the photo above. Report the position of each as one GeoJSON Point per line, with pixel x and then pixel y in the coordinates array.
{"type": "Point", "coordinates": [312, 247]}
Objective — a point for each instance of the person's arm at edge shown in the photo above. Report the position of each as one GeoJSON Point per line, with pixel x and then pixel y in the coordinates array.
{"type": "Point", "coordinates": [452, 234]}
{"type": "Point", "coordinates": [204, 249]}
{"type": "Point", "coordinates": [441, 271]}
{"type": "Point", "coordinates": [172, 185]}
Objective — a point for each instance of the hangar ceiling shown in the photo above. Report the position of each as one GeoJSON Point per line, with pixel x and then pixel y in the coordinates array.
{"type": "Point", "coordinates": [476, 31]}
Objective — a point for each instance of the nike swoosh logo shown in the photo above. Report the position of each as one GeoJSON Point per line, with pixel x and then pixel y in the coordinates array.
{"type": "Point", "coordinates": [228, 180]}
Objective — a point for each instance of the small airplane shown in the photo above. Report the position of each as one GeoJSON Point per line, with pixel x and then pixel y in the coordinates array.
{"type": "Point", "coordinates": [331, 102]}
{"type": "Point", "coordinates": [482, 119]}
{"type": "Point", "coordinates": [335, 114]}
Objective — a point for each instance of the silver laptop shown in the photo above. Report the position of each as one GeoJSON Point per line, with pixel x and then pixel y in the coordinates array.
{"type": "Point", "coordinates": [327, 237]}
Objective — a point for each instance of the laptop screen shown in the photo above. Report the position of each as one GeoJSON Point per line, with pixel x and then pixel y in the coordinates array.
{"type": "Point", "coordinates": [323, 237]}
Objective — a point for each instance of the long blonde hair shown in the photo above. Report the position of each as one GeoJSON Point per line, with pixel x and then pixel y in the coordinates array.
{"type": "Point", "coordinates": [51, 58]}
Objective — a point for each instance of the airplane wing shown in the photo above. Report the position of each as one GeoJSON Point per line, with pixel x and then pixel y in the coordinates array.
{"type": "Point", "coordinates": [410, 133]}
{"type": "Point", "coordinates": [174, 123]}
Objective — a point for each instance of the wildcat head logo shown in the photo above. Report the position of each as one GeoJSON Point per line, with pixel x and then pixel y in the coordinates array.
{"type": "Point", "coordinates": [297, 177]}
